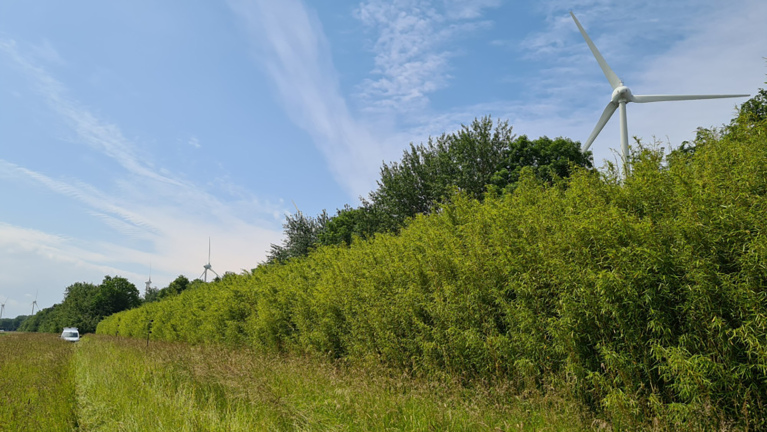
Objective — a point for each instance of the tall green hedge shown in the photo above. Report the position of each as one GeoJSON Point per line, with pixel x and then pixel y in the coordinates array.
{"type": "Point", "coordinates": [645, 296]}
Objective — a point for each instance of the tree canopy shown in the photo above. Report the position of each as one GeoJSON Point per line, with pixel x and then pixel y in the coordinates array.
{"type": "Point", "coordinates": [484, 156]}
{"type": "Point", "coordinates": [84, 305]}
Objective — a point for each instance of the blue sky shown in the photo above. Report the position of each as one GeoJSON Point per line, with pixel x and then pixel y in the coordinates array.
{"type": "Point", "coordinates": [131, 132]}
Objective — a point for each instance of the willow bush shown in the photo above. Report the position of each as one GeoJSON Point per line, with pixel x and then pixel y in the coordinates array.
{"type": "Point", "coordinates": [645, 297]}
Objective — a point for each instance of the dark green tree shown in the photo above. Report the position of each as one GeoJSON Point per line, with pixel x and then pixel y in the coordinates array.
{"type": "Point", "coordinates": [427, 174]}
{"type": "Point", "coordinates": [12, 324]}
{"type": "Point", "coordinates": [179, 285]}
{"type": "Point", "coordinates": [115, 294]}
{"type": "Point", "coordinates": [349, 223]}
{"type": "Point", "coordinates": [78, 308]}
{"type": "Point", "coordinates": [301, 235]}
{"type": "Point", "coordinates": [477, 156]}
{"type": "Point", "coordinates": [151, 295]}
{"type": "Point", "coordinates": [482, 156]}
{"type": "Point", "coordinates": [548, 159]}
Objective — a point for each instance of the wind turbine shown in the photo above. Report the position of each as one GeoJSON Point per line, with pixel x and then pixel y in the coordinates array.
{"type": "Point", "coordinates": [34, 303]}
{"type": "Point", "coordinates": [2, 307]}
{"type": "Point", "coordinates": [207, 266]}
{"type": "Point", "coordinates": [149, 282]}
{"type": "Point", "coordinates": [622, 95]}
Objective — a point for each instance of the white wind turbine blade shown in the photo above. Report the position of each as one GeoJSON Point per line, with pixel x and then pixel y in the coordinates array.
{"type": "Point", "coordinates": [615, 82]}
{"type": "Point", "coordinates": [606, 114]}
{"type": "Point", "coordinates": [661, 98]}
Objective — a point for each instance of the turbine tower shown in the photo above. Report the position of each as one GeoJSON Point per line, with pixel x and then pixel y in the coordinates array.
{"type": "Point", "coordinates": [207, 266]}
{"type": "Point", "coordinates": [34, 304]}
{"type": "Point", "coordinates": [622, 95]}
{"type": "Point", "coordinates": [148, 283]}
{"type": "Point", "coordinates": [2, 307]}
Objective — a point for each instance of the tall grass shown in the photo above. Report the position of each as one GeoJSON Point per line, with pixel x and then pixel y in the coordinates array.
{"type": "Point", "coordinates": [37, 389]}
{"type": "Point", "coordinates": [122, 385]}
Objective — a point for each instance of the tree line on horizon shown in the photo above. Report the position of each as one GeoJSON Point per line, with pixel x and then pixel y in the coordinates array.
{"type": "Point", "coordinates": [85, 304]}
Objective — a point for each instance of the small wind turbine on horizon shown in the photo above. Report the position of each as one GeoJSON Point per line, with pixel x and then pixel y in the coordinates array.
{"type": "Point", "coordinates": [34, 303]}
{"type": "Point", "coordinates": [149, 282]}
{"type": "Point", "coordinates": [622, 95]}
{"type": "Point", "coordinates": [207, 266]}
{"type": "Point", "coordinates": [2, 307]}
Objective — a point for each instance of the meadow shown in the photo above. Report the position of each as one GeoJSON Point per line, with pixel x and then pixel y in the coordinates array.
{"type": "Point", "coordinates": [37, 386]}
{"type": "Point", "coordinates": [108, 383]}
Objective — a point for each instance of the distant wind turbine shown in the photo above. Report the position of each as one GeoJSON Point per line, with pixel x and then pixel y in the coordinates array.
{"type": "Point", "coordinates": [622, 95]}
{"type": "Point", "coordinates": [34, 303]}
{"type": "Point", "coordinates": [2, 307]}
{"type": "Point", "coordinates": [207, 266]}
{"type": "Point", "coordinates": [149, 282]}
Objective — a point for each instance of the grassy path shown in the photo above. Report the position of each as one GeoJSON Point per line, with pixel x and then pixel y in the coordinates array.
{"type": "Point", "coordinates": [123, 386]}
{"type": "Point", "coordinates": [37, 391]}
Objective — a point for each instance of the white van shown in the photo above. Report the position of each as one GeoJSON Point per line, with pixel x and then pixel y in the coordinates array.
{"type": "Point", "coordinates": [70, 334]}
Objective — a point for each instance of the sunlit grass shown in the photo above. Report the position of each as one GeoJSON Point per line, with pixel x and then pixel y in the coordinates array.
{"type": "Point", "coordinates": [122, 385]}
{"type": "Point", "coordinates": [37, 391]}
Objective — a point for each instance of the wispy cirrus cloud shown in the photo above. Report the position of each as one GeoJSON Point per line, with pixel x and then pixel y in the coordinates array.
{"type": "Point", "coordinates": [153, 214]}
{"type": "Point", "coordinates": [290, 45]}
{"type": "Point", "coordinates": [412, 48]}
{"type": "Point", "coordinates": [99, 135]}
{"type": "Point", "coordinates": [411, 57]}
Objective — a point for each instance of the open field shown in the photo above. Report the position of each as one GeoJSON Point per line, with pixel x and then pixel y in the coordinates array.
{"type": "Point", "coordinates": [37, 389]}
{"type": "Point", "coordinates": [108, 384]}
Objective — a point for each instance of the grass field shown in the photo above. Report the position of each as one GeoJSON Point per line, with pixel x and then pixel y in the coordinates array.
{"type": "Point", "coordinates": [37, 387]}
{"type": "Point", "coordinates": [117, 384]}
{"type": "Point", "coordinates": [124, 386]}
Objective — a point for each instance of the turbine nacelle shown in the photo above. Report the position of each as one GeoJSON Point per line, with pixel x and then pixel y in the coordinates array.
{"type": "Point", "coordinates": [622, 94]}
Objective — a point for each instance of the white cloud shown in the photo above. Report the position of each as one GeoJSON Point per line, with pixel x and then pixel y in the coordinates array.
{"type": "Point", "coordinates": [291, 46]}
{"type": "Point", "coordinates": [411, 48]}
{"type": "Point", "coordinates": [99, 135]}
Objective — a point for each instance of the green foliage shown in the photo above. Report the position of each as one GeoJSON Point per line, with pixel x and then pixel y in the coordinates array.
{"type": "Point", "coordinates": [549, 160]}
{"type": "Point", "coordinates": [350, 223]}
{"type": "Point", "coordinates": [12, 324]}
{"type": "Point", "coordinates": [179, 285]}
{"type": "Point", "coordinates": [754, 110]}
{"type": "Point", "coordinates": [125, 385]}
{"type": "Point", "coordinates": [646, 298]}
{"type": "Point", "coordinates": [428, 174]}
{"type": "Point", "coordinates": [84, 305]}
{"type": "Point", "coordinates": [302, 234]}
{"type": "Point", "coordinates": [477, 157]}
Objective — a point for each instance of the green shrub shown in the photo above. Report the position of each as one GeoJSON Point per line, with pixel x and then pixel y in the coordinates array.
{"type": "Point", "coordinates": [645, 296]}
